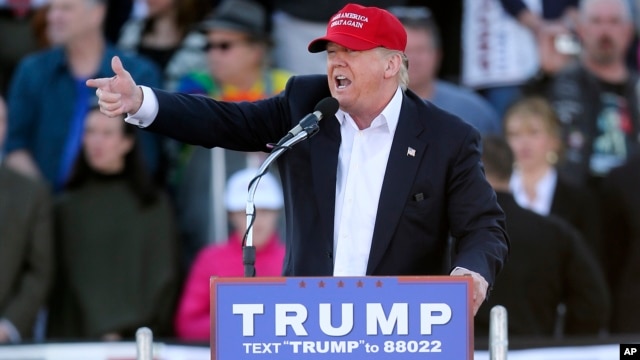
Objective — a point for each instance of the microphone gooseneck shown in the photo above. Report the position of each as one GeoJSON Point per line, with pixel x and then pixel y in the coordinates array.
{"type": "Point", "coordinates": [307, 127]}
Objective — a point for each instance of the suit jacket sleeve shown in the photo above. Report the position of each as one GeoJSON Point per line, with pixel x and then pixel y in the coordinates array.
{"type": "Point", "coordinates": [477, 221]}
{"type": "Point", "coordinates": [200, 120]}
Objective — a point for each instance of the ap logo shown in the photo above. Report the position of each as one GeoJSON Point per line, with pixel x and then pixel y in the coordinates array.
{"type": "Point", "coordinates": [629, 351]}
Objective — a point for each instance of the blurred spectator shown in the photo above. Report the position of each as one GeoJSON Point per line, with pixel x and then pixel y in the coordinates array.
{"type": "Point", "coordinates": [116, 242]}
{"type": "Point", "coordinates": [622, 250]}
{"type": "Point", "coordinates": [26, 259]}
{"type": "Point", "coordinates": [297, 22]}
{"type": "Point", "coordinates": [424, 54]}
{"type": "Point", "coordinates": [48, 96]}
{"type": "Point", "coordinates": [192, 319]}
{"type": "Point", "coordinates": [597, 98]}
{"type": "Point", "coordinates": [553, 27]}
{"type": "Point", "coordinates": [549, 266]}
{"type": "Point", "coordinates": [507, 43]}
{"type": "Point", "coordinates": [239, 70]}
{"type": "Point", "coordinates": [167, 37]}
{"type": "Point", "coordinates": [16, 35]}
{"type": "Point", "coordinates": [448, 17]}
{"type": "Point", "coordinates": [118, 12]}
{"type": "Point", "coordinates": [237, 45]}
{"type": "Point", "coordinates": [532, 130]}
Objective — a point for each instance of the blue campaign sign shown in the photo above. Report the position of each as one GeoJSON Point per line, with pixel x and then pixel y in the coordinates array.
{"type": "Point", "coordinates": [422, 317]}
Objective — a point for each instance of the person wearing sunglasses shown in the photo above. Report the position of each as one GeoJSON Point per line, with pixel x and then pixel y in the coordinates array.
{"type": "Point", "coordinates": [238, 46]}
{"type": "Point", "coordinates": [239, 69]}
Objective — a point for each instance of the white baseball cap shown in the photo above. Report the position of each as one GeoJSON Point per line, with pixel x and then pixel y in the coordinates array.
{"type": "Point", "coordinates": [268, 193]}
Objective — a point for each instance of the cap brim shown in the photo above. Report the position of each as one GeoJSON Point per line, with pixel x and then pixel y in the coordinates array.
{"type": "Point", "coordinates": [347, 40]}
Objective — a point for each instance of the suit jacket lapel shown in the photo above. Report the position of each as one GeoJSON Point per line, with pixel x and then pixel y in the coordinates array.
{"type": "Point", "coordinates": [324, 148]}
{"type": "Point", "coordinates": [405, 158]}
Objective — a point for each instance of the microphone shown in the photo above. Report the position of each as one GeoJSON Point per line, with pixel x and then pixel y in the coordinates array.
{"type": "Point", "coordinates": [307, 127]}
{"type": "Point", "coordinates": [309, 124]}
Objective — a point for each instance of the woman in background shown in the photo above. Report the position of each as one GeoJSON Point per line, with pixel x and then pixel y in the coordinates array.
{"type": "Point", "coordinates": [532, 130]}
{"type": "Point", "coordinates": [116, 242]}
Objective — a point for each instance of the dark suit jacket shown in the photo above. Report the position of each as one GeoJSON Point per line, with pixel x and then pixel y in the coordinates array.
{"type": "Point", "coordinates": [578, 206]}
{"type": "Point", "coordinates": [549, 264]}
{"type": "Point", "coordinates": [26, 249]}
{"type": "Point", "coordinates": [622, 250]}
{"type": "Point", "coordinates": [425, 197]}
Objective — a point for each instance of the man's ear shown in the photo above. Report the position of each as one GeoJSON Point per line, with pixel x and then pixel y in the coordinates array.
{"type": "Point", "coordinates": [393, 65]}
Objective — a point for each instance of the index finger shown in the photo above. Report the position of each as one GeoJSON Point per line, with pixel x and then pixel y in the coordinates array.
{"type": "Point", "coordinates": [98, 83]}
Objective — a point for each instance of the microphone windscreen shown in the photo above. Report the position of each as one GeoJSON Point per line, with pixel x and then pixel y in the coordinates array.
{"type": "Point", "coordinates": [327, 106]}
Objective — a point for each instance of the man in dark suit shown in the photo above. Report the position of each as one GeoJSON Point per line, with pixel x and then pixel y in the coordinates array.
{"type": "Point", "coordinates": [622, 248]}
{"type": "Point", "coordinates": [550, 267]}
{"type": "Point", "coordinates": [384, 182]}
{"type": "Point", "coordinates": [26, 256]}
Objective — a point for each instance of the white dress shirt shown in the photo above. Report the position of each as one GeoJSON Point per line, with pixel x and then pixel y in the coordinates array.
{"type": "Point", "coordinates": [545, 189]}
{"type": "Point", "coordinates": [148, 110]}
{"type": "Point", "coordinates": [362, 162]}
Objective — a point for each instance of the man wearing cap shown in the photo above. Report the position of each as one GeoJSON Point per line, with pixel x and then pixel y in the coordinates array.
{"type": "Point", "coordinates": [238, 45]}
{"type": "Point", "coordinates": [384, 182]}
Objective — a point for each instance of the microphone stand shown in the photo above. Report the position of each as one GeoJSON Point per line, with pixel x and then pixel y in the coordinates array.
{"type": "Point", "coordinates": [248, 250]}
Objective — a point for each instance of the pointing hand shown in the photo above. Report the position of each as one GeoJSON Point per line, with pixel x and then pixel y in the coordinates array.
{"type": "Point", "coordinates": [117, 95]}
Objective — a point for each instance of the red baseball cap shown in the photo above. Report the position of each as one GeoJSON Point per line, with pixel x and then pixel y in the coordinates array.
{"type": "Point", "coordinates": [359, 28]}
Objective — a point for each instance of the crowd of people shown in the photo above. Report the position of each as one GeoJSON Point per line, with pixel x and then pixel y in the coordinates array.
{"type": "Point", "coordinates": [106, 227]}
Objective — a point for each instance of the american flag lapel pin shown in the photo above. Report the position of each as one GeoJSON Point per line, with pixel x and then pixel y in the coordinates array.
{"type": "Point", "coordinates": [411, 151]}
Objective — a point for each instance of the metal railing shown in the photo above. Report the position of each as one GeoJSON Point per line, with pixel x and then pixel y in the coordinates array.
{"type": "Point", "coordinates": [144, 344]}
{"type": "Point", "coordinates": [498, 333]}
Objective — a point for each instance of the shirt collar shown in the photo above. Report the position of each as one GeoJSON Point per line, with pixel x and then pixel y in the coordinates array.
{"type": "Point", "coordinates": [389, 115]}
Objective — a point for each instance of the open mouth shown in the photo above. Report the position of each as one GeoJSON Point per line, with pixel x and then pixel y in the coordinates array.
{"type": "Point", "coordinates": [342, 81]}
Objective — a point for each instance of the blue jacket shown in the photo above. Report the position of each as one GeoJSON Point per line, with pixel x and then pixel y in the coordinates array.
{"type": "Point", "coordinates": [41, 102]}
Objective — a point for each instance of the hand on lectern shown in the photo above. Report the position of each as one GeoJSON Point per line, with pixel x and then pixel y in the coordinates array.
{"type": "Point", "coordinates": [480, 286]}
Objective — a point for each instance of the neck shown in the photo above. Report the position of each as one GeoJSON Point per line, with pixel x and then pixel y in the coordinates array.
{"type": "Point", "coordinates": [614, 72]}
{"type": "Point", "coordinates": [113, 169]}
{"type": "Point", "coordinates": [498, 185]}
{"type": "Point", "coordinates": [247, 79]}
{"type": "Point", "coordinates": [502, 187]}
{"type": "Point", "coordinates": [533, 175]}
{"type": "Point", "coordinates": [424, 90]}
{"type": "Point", "coordinates": [365, 116]}
{"type": "Point", "coordinates": [85, 55]}
{"type": "Point", "coordinates": [531, 178]}
{"type": "Point", "coordinates": [165, 32]}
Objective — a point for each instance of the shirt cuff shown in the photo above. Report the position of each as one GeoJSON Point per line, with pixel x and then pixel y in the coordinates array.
{"type": "Point", "coordinates": [148, 110]}
{"type": "Point", "coordinates": [458, 267]}
{"type": "Point", "coordinates": [14, 334]}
